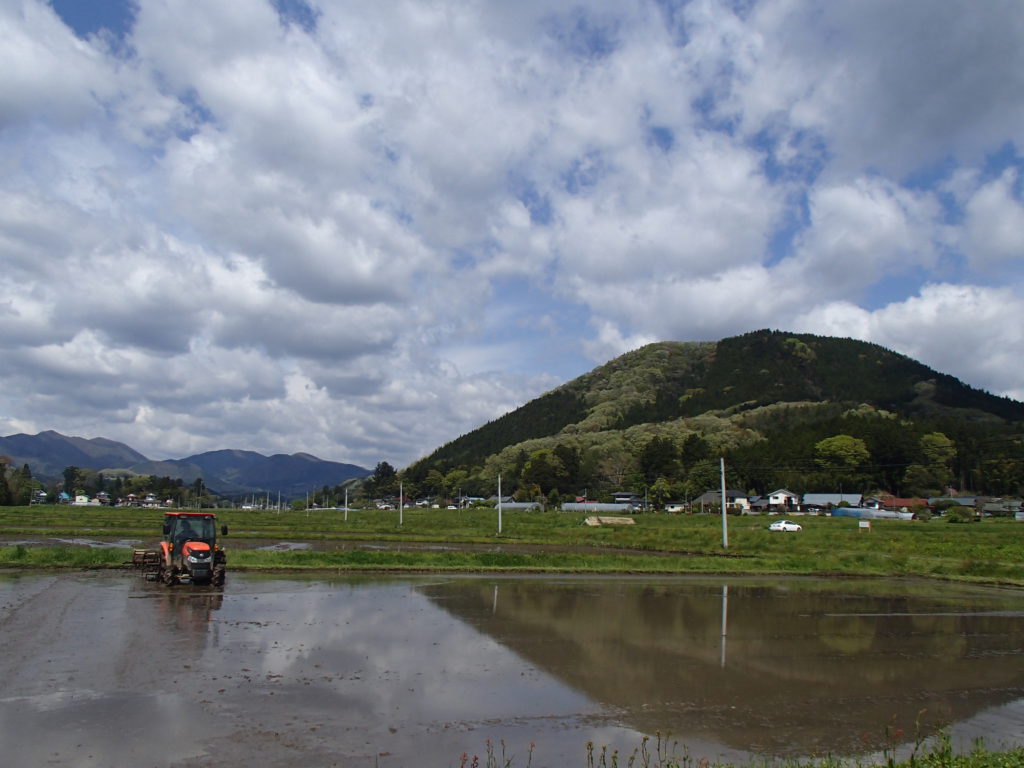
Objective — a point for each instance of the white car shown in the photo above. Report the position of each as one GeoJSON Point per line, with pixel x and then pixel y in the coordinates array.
{"type": "Point", "coordinates": [784, 525]}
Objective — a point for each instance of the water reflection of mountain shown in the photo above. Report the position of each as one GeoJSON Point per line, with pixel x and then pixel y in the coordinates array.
{"type": "Point", "coordinates": [799, 670]}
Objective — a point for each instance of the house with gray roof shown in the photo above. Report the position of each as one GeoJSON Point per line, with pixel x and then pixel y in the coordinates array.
{"type": "Point", "coordinates": [821, 502]}
{"type": "Point", "coordinates": [733, 498]}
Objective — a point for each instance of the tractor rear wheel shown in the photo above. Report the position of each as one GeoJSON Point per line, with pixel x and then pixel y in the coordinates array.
{"type": "Point", "coordinates": [167, 576]}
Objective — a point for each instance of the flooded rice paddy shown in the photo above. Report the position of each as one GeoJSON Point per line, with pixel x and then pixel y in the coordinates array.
{"type": "Point", "coordinates": [105, 669]}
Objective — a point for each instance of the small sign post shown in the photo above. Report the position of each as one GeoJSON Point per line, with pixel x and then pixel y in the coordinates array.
{"type": "Point", "coordinates": [865, 525]}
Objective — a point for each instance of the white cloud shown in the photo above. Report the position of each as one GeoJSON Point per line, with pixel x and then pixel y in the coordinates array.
{"type": "Point", "coordinates": [49, 75]}
{"type": "Point", "coordinates": [994, 230]}
{"type": "Point", "coordinates": [892, 87]}
{"type": "Point", "coordinates": [367, 237]}
{"type": "Point", "coordinates": [970, 332]}
{"type": "Point", "coordinates": [706, 210]}
{"type": "Point", "coordinates": [611, 343]}
{"type": "Point", "coordinates": [861, 233]}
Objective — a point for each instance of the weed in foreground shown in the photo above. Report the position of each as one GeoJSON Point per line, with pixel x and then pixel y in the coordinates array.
{"type": "Point", "coordinates": [491, 758]}
{"type": "Point", "coordinates": [935, 752]}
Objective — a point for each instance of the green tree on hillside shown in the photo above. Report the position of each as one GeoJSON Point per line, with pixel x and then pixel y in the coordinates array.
{"type": "Point", "coordinates": [934, 472]}
{"type": "Point", "coordinates": [527, 492]}
{"type": "Point", "coordinates": [841, 453]}
{"type": "Point", "coordinates": [703, 476]}
{"type": "Point", "coordinates": [694, 449]}
{"type": "Point", "coordinates": [660, 492]}
{"type": "Point", "coordinates": [545, 470]}
{"type": "Point", "coordinates": [658, 458]}
{"type": "Point", "coordinates": [455, 482]}
{"type": "Point", "coordinates": [521, 458]}
{"type": "Point", "coordinates": [938, 449]}
{"type": "Point", "coordinates": [5, 489]}
{"type": "Point", "coordinates": [383, 481]}
{"type": "Point", "coordinates": [572, 461]}
{"type": "Point", "coordinates": [21, 484]}
{"type": "Point", "coordinates": [71, 475]}
{"type": "Point", "coordinates": [434, 483]}
{"type": "Point", "coordinates": [616, 466]}
{"type": "Point", "coordinates": [841, 456]}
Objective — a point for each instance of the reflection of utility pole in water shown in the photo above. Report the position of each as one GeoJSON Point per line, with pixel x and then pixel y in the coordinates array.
{"type": "Point", "coordinates": [494, 605]}
{"type": "Point", "coordinates": [725, 619]}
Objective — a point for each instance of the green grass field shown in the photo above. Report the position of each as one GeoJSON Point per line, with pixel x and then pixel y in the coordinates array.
{"type": "Point", "coordinates": [467, 540]}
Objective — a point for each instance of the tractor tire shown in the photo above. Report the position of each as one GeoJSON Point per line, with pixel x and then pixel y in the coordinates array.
{"type": "Point", "coordinates": [219, 574]}
{"type": "Point", "coordinates": [167, 576]}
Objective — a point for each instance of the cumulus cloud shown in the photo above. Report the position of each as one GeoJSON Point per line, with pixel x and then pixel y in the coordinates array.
{"type": "Point", "coordinates": [951, 327]}
{"type": "Point", "coordinates": [894, 88]}
{"type": "Point", "coordinates": [993, 235]}
{"type": "Point", "coordinates": [860, 233]}
{"type": "Point", "coordinates": [364, 230]}
{"type": "Point", "coordinates": [49, 75]}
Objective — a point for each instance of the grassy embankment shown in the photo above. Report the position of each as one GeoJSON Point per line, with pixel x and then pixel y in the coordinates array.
{"type": "Point", "coordinates": [467, 540]}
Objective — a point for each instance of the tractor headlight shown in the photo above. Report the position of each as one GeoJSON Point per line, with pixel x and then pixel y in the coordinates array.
{"type": "Point", "coordinates": [199, 557]}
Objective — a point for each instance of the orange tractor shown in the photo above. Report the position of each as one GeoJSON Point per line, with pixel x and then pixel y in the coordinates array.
{"type": "Point", "coordinates": [188, 552]}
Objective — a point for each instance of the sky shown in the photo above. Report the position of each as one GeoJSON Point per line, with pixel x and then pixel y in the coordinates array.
{"type": "Point", "coordinates": [361, 229]}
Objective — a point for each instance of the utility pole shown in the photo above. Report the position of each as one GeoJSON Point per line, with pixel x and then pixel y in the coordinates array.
{"type": "Point", "coordinates": [725, 522]}
{"type": "Point", "coordinates": [499, 502]}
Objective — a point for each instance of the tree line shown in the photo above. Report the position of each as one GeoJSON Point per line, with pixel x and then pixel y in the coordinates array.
{"type": "Point", "coordinates": [866, 451]}
{"type": "Point", "coordinates": [18, 485]}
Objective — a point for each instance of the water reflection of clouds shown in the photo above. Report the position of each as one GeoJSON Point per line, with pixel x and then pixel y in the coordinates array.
{"type": "Point", "coordinates": [97, 728]}
{"type": "Point", "coordinates": [391, 648]}
{"type": "Point", "coordinates": [266, 673]}
{"type": "Point", "coordinates": [799, 677]}
{"type": "Point", "coordinates": [425, 669]}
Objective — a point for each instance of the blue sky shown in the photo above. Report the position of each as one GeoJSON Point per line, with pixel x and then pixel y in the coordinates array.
{"type": "Point", "coordinates": [363, 229]}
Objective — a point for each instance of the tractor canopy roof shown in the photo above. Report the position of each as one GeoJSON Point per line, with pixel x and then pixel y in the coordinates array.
{"type": "Point", "coordinates": [190, 514]}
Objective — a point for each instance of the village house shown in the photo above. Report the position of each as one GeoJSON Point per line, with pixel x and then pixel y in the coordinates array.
{"type": "Point", "coordinates": [896, 503]}
{"type": "Point", "coordinates": [733, 499]}
{"type": "Point", "coordinates": [783, 501]}
{"type": "Point", "coordinates": [817, 503]}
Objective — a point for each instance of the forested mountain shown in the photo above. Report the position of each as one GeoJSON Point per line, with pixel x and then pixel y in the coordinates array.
{"type": "Point", "coordinates": [48, 453]}
{"type": "Point", "coordinates": [769, 402]}
{"type": "Point", "coordinates": [226, 472]}
{"type": "Point", "coordinates": [290, 474]}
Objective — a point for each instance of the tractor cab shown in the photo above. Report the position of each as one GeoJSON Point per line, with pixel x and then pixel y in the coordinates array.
{"type": "Point", "coordinates": [181, 527]}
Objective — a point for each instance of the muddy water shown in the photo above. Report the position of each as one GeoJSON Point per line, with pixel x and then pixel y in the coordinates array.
{"type": "Point", "coordinates": [107, 670]}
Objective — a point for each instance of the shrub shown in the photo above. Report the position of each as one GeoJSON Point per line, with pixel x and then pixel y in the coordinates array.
{"type": "Point", "coordinates": [960, 515]}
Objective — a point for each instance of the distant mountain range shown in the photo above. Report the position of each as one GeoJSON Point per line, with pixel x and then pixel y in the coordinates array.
{"type": "Point", "coordinates": [226, 472]}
